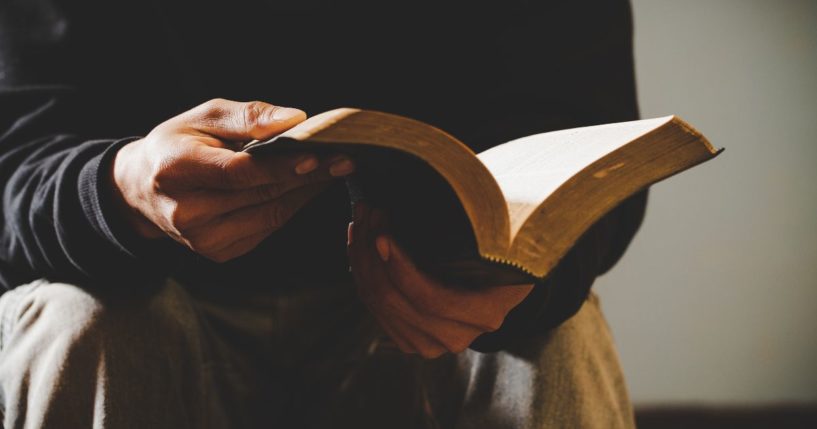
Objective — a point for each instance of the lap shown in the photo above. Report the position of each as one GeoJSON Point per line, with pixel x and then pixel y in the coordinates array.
{"type": "Point", "coordinates": [310, 358]}
{"type": "Point", "coordinates": [569, 377]}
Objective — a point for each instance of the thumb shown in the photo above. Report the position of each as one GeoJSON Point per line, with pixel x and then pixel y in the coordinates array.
{"type": "Point", "coordinates": [234, 120]}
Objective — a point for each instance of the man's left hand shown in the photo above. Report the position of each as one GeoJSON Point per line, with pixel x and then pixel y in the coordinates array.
{"type": "Point", "coordinates": [419, 313]}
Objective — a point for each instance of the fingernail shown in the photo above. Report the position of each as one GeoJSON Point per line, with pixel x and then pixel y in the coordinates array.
{"type": "Point", "coordinates": [306, 165]}
{"type": "Point", "coordinates": [282, 114]}
{"type": "Point", "coordinates": [382, 244]}
{"type": "Point", "coordinates": [341, 167]}
{"type": "Point", "coordinates": [349, 233]}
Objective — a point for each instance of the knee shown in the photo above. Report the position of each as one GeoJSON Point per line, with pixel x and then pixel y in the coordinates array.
{"type": "Point", "coordinates": [52, 307]}
{"type": "Point", "coordinates": [59, 311]}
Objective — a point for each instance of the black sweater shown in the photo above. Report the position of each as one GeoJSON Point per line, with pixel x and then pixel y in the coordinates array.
{"type": "Point", "coordinates": [78, 79]}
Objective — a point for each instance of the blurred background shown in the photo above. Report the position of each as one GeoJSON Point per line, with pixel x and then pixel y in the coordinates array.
{"type": "Point", "coordinates": [713, 306]}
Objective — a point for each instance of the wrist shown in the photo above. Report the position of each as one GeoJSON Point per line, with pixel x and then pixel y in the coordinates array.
{"type": "Point", "coordinates": [122, 186]}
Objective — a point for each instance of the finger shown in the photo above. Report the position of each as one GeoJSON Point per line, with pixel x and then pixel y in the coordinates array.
{"type": "Point", "coordinates": [383, 320]}
{"type": "Point", "coordinates": [219, 168]}
{"type": "Point", "coordinates": [240, 121]}
{"type": "Point", "coordinates": [404, 345]}
{"type": "Point", "coordinates": [368, 223]}
{"type": "Point", "coordinates": [408, 339]}
{"type": "Point", "coordinates": [195, 209]}
{"type": "Point", "coordinates": [220, 201]}
{"type": "Point", "coordinates": [427, 332]}
{"type": "Point", "coordinates": [227, 229]}
{"type": "Point", "coordinates": [429, 335]}
{"type": "Point", "coordinates": [422, 343]}
{"type": "Point", "coordinates": [276, 213]}
{"type": "Point", "coordinates": [361, 246]}
{"type": "Point", "coordinates": [485, 308]}
{"type": "Point", "coordinates": [360, 220]}
{"type": "Point", "coordinates": [239, 247]}
{"type": "Point", "coordinates": [433, 304]}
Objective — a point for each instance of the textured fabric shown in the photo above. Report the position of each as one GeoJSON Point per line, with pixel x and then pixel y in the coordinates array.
{"type": "Point", "coordinates": [308, 359]}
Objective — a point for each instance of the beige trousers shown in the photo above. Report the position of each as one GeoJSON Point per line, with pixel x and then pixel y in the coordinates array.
{"type": "Point", "coordinates": [308, 359]}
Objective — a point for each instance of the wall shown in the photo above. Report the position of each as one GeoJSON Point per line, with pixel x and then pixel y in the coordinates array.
{"type": "Point", "coordinates": [716, 300]}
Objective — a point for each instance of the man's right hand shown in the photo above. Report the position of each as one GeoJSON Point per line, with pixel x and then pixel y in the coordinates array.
{"type": "Point", "coordinates": [186, 180]}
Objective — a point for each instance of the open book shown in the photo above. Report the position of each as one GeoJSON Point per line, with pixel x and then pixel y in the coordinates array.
{"type": "Point", "coordinates": [507, 214]}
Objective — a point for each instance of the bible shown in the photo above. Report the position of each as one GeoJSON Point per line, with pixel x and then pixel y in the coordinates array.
{"type": "Point", "coordinates": [506, 215]}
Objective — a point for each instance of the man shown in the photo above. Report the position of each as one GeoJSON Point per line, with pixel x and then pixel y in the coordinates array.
{"type": "Point", "coordinates": [158, 278]}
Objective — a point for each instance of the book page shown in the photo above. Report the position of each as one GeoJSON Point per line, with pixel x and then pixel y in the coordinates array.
{"type": "Point", "coordinates": [531, 168]}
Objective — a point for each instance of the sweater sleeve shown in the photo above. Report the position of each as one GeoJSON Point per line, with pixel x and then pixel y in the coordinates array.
{"type": "Point", "coordinates": [55, 169]}
{"type": "Point", "coordinates": [58, 222]}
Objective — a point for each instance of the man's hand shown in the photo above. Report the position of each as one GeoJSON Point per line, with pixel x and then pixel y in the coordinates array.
{"type": "Point", "coordinates": [186, 180]}
{"type": "Point", "coordinates": [420, 314]}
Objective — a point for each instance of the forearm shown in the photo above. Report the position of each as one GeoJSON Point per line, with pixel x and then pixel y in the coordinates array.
{"type": "Point", "coordinates": [58, 218]}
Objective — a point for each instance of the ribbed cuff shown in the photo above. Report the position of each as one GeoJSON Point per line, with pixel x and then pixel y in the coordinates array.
{"type": "Point", "coordinates": [95, 197]}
